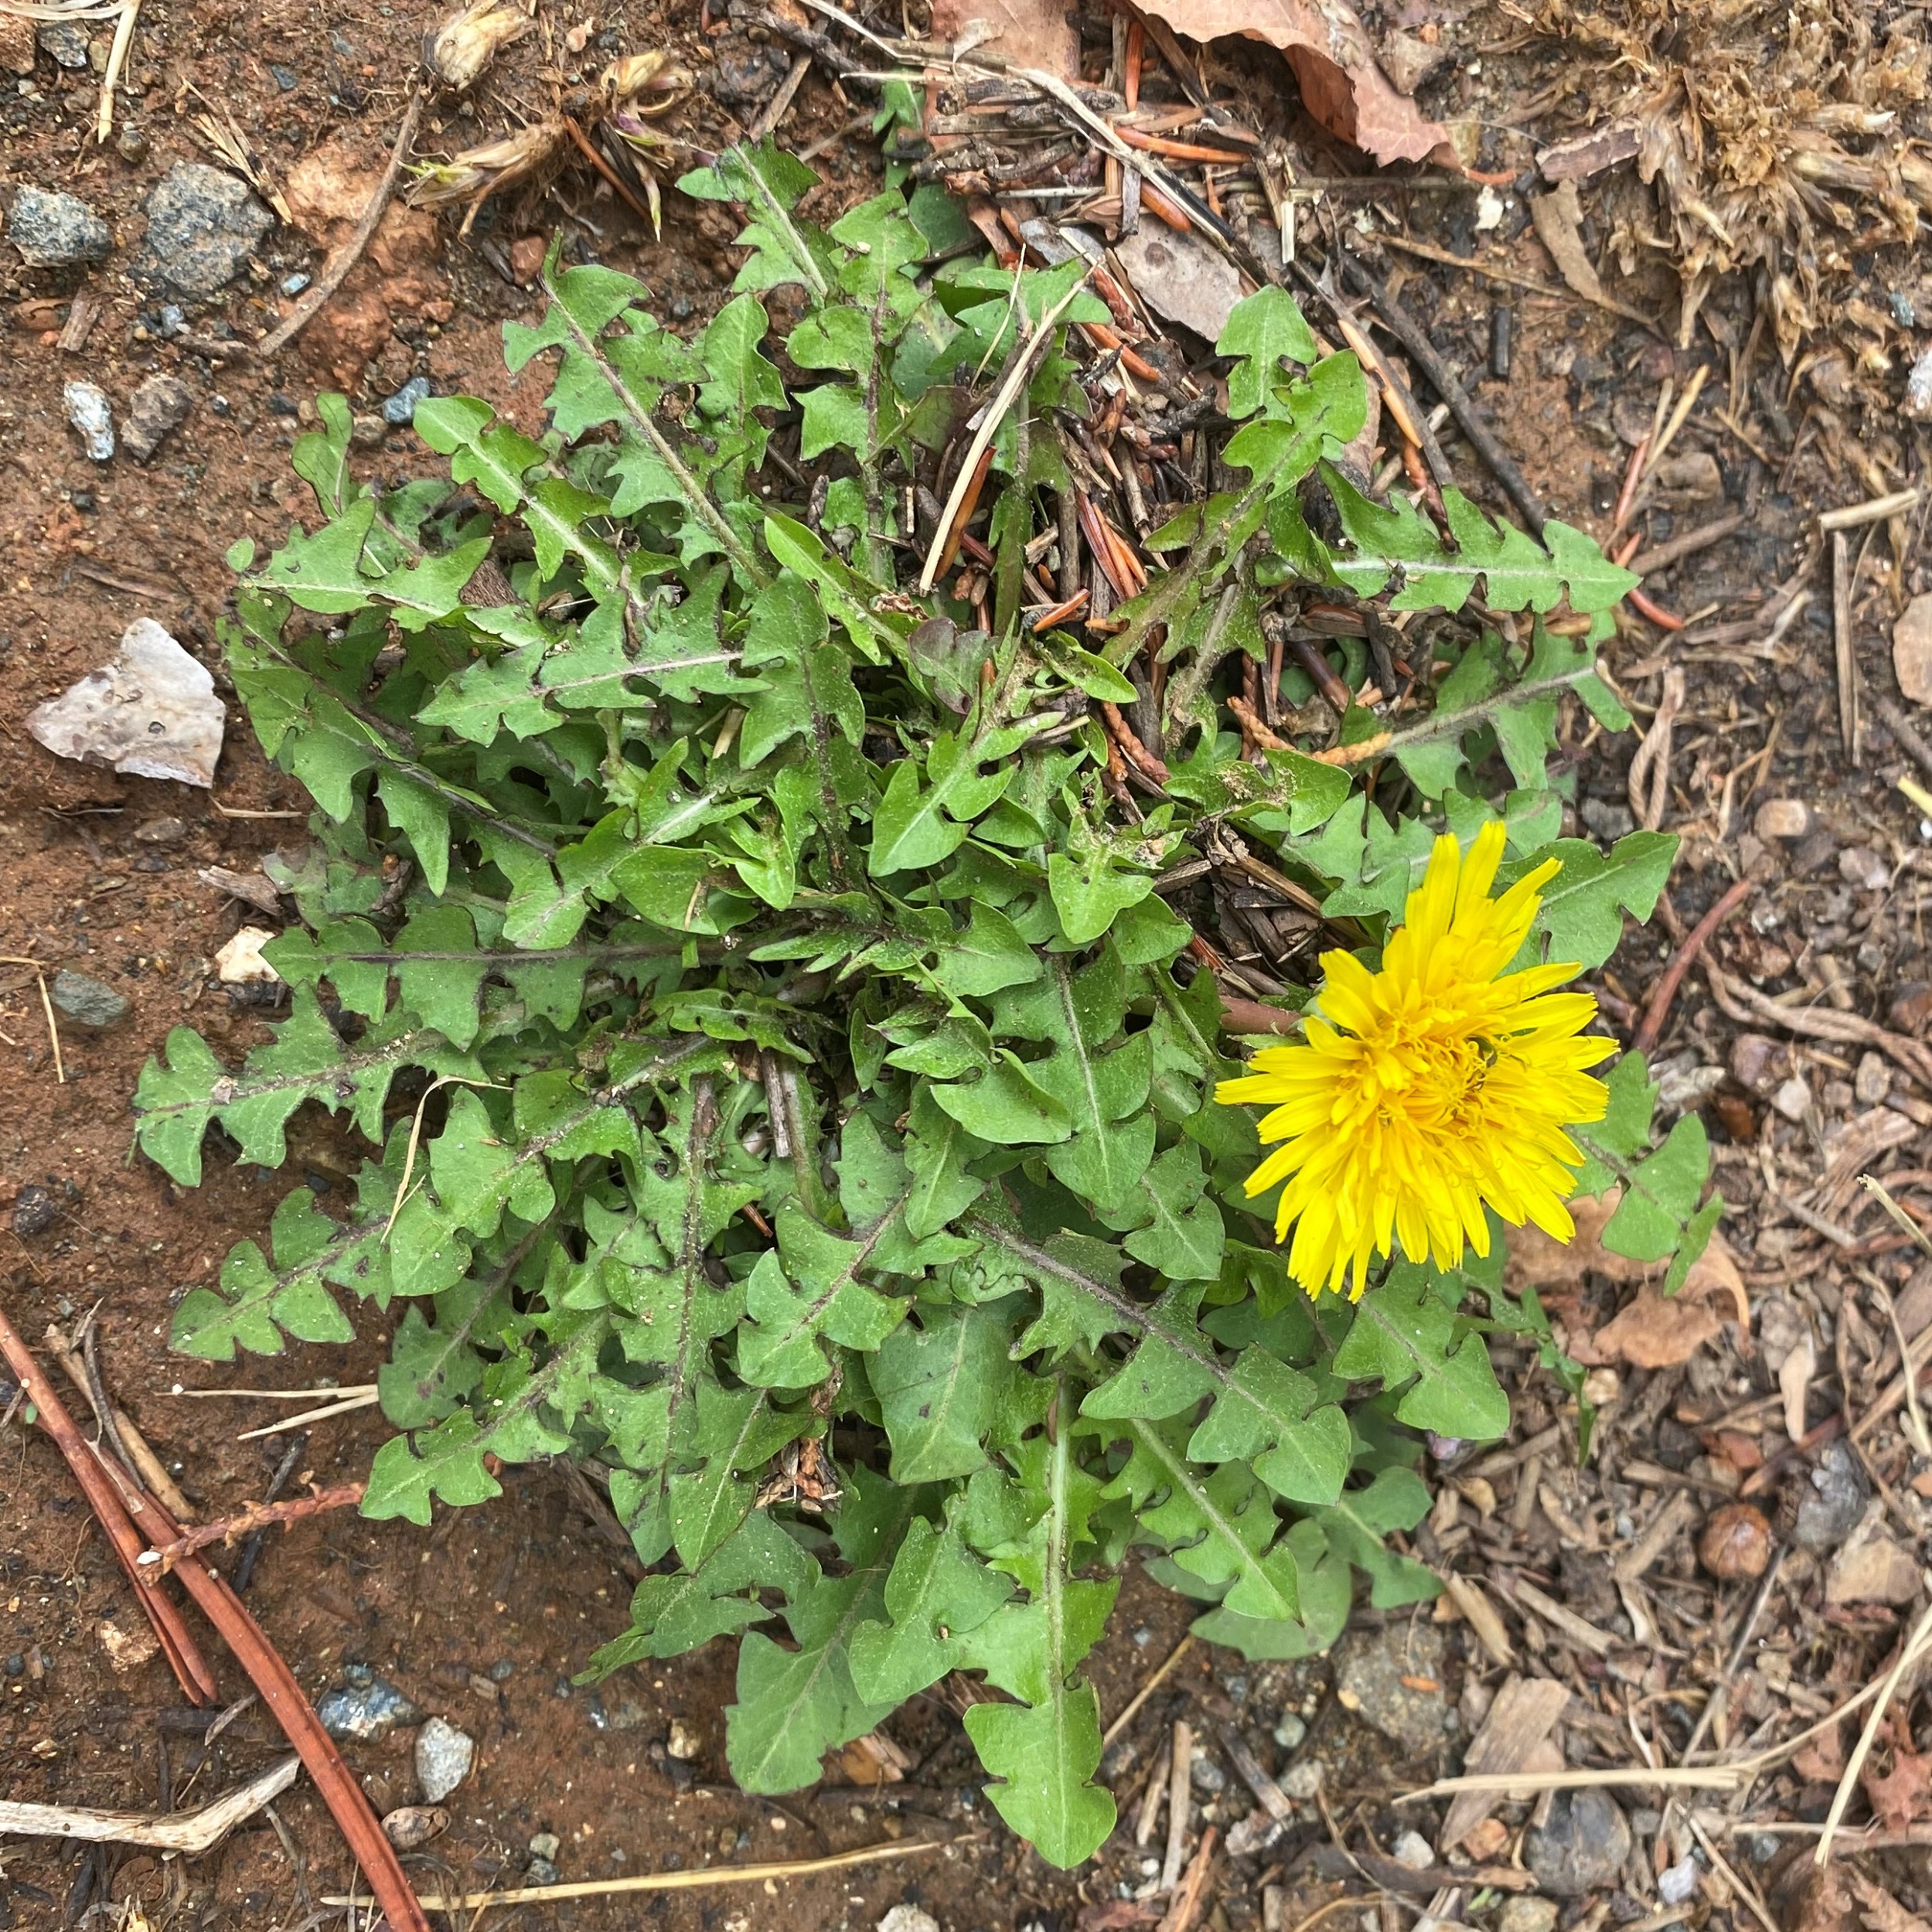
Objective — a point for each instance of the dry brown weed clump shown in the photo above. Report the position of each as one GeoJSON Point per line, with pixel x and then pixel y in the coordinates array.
{"type": "Point", "coordinates": [1776, 133]}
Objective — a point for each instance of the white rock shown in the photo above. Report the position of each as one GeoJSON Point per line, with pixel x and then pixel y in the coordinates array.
{"type": "Point", "coordinates": [1414, 1851]}
{"type": "Point", "coordinates": [90, 411]}
{"type": "Point", "coordinates": [151, 712]}
{"type": "Point", "coordinates": [444, 1756]}
{"type": "Point", "coordinates": [240, 962]}
{"type": "Point", "coordinates": [1302, 1780]}
{"type": "Point", "coordinates": [909, 1918]}
{"type": "Point", "coordinates": [1677, 1883]}
{"type": "Point", "coordinates": [1794, 1098]}
{"type": "Point", "coordinates": [682, 1744]}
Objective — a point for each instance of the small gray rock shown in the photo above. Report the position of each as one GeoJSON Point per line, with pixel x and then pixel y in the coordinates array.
{"type": "Point", "coordinates": [444, 1755]}
{"type": "Point", "coordinates": [1834, 1499]}
{"type": "Point", "coordinates": [1522, 1914]}
{"type": "Point", "coordinates": [54, 230]}
{"type": "Point", "coordinates": [1411, 1848]}
{"type": "Point", "coordinates": [66, 40]}
{"type": "Point", "coordinates": [159, 405]}
{"type": "Point", "coordinates": [202, 224]}
{"type": "Point", "coordinates": [541, 1871]}
{"type": "Point", "coordinates": [34, 1212]}
{"type": "Point", "coordinates": [366, 1708]}
{"type": "Point", "coordinates": [293, 285]}
{"type": "Point", "coordinates": [87, 1000]}
{"type": "Point", "coordinates": [545, 1845]}
{"type": "Point", "coordinates": [1370, 1683]}
{"type": "Point", "coordinates": [1582, 1848]}
{"type": "Point", "coordinates": [1302, 1781]}
{"type": "Point", "coordinates": [90, 411]}
{"type": "Point", "coordinates": [1606, 817]}
{"type": "Point", "coordinates": [1289, 1732]}
{"type": "Point", "coordinates": [400, 409]}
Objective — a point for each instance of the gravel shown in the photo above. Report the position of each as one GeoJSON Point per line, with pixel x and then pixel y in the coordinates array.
{"type": "Point", "coordinates": [202, 226]}
{"type": "Point", "coordinates": [56, 230]}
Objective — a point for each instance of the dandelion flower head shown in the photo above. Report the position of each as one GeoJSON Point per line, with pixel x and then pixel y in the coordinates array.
{"type": "Point", "coordinates": [1432, 1090]}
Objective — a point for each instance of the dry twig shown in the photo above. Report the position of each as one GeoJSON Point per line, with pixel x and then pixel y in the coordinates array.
{"type": "Point", "coordinates": [189, 1833]}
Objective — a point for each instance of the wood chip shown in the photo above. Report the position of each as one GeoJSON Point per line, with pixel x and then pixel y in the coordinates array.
{"type": "Point", "coordinates": [1565, 1620]}
{"type": "Point", "coordinates": [1669, 1522]}
{"type": "Point", "coordinates": [1521, 1718]}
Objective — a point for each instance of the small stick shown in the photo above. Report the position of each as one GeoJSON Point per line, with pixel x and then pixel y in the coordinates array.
{"type": "Point", "coordinates": [191, 1833]}
{"type": "Point", "coordinates": [1901, 728]}
{"type": "Point", "coordinates": [1250, 1016]}
{"type": "Point", "coordinates": [1147, 1689]}
{"type": "Point", "coordinates": [1651, 1028]}
{"type": "Point", "coordinates": [53, 1032]}
{"type": "Point", "coordinates": [1848, 668]}
{"type": "Point", "coordinates": [676, 1881]}
{"type": "Point", "coordinates": [618, 186]}
{"type": "Point", "coordinates": [111, 75]}
{"type": "Point", "coordinates": [1508, 278]}
{"type": "Point", "coordinates": [283, 1697]}
{"type": "Point", "coordinates": [1646, 563]}
{"type": "Point", "coordinates": [996, 412]}
{"type": "Point", "coordinates": [1180, 1790]}
{"type": "Point", "coordinates": [336, 271]}
{"type": "Point", "coordinates": [779, 105]}
{"type": "Point", "coordinates": [1181, 1915]}
{"type": "Point", "coordinates": [1154, 1797]}
{"type": "Point", "coordinates": [134, 1447]}
{"type": "Point", "coordinates": [1404, 327]}
{"type": "Point", "coordinates": [158, 1561]}
{"type": "Point", "coordinates": [191, 1669]}
{"type": "Point", "coordinates": [327, 1413]}
{"type": "Point", "coordinates": [1876, 511]}
{"type": "Point", "coordinates": [284, 1470]}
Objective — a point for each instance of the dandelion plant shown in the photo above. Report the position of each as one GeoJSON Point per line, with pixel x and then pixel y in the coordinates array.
{"type": "Point", "coordinates": [787, 1051]}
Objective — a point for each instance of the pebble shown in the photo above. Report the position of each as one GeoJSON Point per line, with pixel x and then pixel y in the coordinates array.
{"type": "Point", "coordinates": [541, 1871]}
{"type": "Point", "coordinates": [56, 230]}
{"type": "Point", "coordinates": [411, 1826]}
{"type": "Point", "coordinates": [545, 1845]}
{"type": "Point", "coordinates": [174, 319]}
{"type": "Point", "coordinates": [90, 411]}
{"type": "Point", "coordinates": [66, 41]}
{"type": "Point", "coordinates": [400, 409]}
{"type": "Point", "coordinates": [1677, 1883]}
{"type": "Point", "coordinates": [159, 406]}
{"type": "Point", "coordinates": [1911, 1010]}
{"type": "Point", "coordinates": [526, 258]}
{"type": "Point", "coordinates": [1873, 1081]}
{"type": "Point", "coordinates": [1832, 1500]}
{"type": "Point", "coordinates": [1793, 1098]}
{"type": "Point", "coordinates": [1859, 865]}
{"type": "Point", "coordinates": [34, 1210]}
{"type": "Point", "coordinates": [682, 1744]}
{"type": "Point", "coordinates": [1302, 1781]}
{"type": "Point", "coordinates": [132, 146]}
{"type": "Point", "coordinates": [1606, 817]}
{"type": "Point", "coordinates": [293, 284]}
{"type": "Point", "coordinates": [1290, 1731]}
{"type": "Point", "coordinates": [161, 832]}
{"type": "Point", "coordinates": [909, 1918]}
{"type": "Point", "coordinates": [367, 1707]}
{"type": "Point", "coordinates": [1377, 1679]}
{"type": "Point", "coordinates": [1582, 1848]}
{"type": "Point", "coordinates": [87, 1000]}
{"type": "Point", "coordinates": [444, 1755]}
{"type": "Point", "coordinates": [1206, 1775]}
{"type": "Point", "coordinates": [1411, 1848]}
{"type": "Point", "coordinates": [1912, 650]}
{"type": "Point", "coordinates": [1527, 1914]}
{"type": "Point", "coordinates": [202, 225]}
{"type": "Point", "coordinates": [1782, 818]}
{"type": "Point", "coordinates": [1736, 1543]}
{"type": "Point", "coordinates": [367, 430]}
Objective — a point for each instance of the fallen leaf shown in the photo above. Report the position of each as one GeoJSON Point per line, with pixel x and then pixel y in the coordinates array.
{"type": "Point", "coordinates": [1822, 1904]}
{"type": "Point", "coordinates": [1559, 218]}
{"type": "Point", "coordinates": [1031, 33]}
{"type": "Point", "coordinates": [1652, 1332]}
{"type": "Point", "coordinates": [1902, 1795]}
{"type": "Point", "coordinates": [1822, 1759]}
{"type": "Point", "coordinates": [1880, 1911]}
{"type": "Point", "coordinates": [1341, 86]}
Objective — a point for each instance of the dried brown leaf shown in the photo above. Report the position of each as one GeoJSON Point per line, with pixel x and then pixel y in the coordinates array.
{"type": "Point", "coordinates": [1880, 1911]}
{"type": "Point", "coordinates": [1341, 85]}
{"type": "Point", "coordinates": [1902, 1795]}
{"type": "Point", "coordinates": [1031, 33]}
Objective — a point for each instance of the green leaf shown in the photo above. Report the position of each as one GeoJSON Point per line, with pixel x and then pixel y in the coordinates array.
{"type": "Point", "coordinates": [1406, 1337]}
{"type": "Point", "coordinates": [1582, 911]}
{"type": "Point", "coordinates": [808, 1291]}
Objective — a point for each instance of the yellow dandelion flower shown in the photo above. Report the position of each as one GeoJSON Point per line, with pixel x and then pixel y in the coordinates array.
{"type": "Point", "coordinates": [1432, 1090]}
